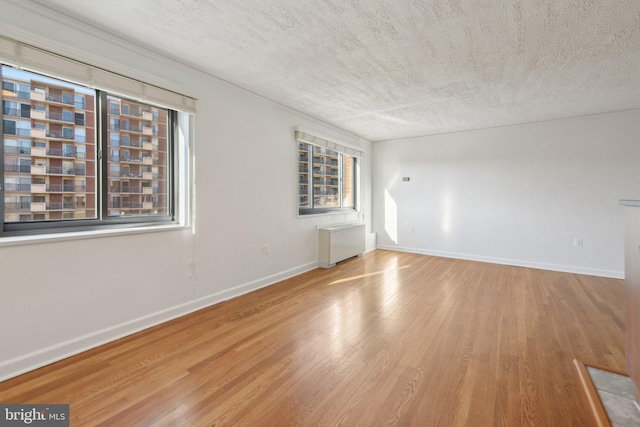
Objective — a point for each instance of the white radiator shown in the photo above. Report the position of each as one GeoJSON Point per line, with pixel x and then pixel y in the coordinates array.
{"type": "Point", "coordinates": [340, 242]}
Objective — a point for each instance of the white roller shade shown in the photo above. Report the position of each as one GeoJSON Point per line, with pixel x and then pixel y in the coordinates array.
{"type": "Point", "coordinates": [34, 59]}
{"type": "Point", "coordinates": [334, 146]}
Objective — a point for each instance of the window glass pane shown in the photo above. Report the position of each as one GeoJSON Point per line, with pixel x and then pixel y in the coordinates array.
{"type": "Point", "coordinates": [80, 169]}
{"type": "Point", "coordinates": [9, 108]}
{"type": "Point", "coordinates": [67, 98]}
{"type": "Point", "coordinates": [79, 119]}
{"type": "Point", "coordinates": [68, 151]}
{"type": "Point", "coordinates": [39, 163]}
{"type": "Point", "coordinates": [138, 175]}
{"type": "Point", "coordinates": [67, 133]}
{"type": "Point", "coordinates": [326, 176]}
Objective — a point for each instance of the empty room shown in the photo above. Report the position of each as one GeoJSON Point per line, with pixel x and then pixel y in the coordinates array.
{"type": "Point", "coordinates": [319, 213]}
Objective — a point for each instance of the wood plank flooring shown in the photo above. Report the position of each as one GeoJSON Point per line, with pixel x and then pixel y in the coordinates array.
{"type": "Point", "coordinates": [387, 339]}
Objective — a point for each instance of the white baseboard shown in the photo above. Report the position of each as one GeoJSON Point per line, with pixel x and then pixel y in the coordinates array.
{"type": "Point", "coordinates": [506, 261]}
{"type": "Point", "coordinates": [19, 365]}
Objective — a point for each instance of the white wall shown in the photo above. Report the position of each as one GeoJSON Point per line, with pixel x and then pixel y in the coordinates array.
{"type": "Point", "coordinates": [61, 297]}
{"type": "Point", "coordinates": [515, 195]}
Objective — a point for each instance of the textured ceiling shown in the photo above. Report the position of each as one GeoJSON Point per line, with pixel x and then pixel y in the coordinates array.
{"type": "Point", "coordinates": [387, 69]}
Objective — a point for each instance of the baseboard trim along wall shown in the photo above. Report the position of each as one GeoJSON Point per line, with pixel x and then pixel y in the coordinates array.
{"type": "Point", "coordinates": [506, 261]}
{"type": "Point", "coordinates": [37, 359]}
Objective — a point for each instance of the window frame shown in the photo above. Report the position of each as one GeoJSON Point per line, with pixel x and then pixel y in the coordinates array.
{"type": "Point", "coordinates": [311, 210]}
{"type": "Point", "coordinates": [102, 194]}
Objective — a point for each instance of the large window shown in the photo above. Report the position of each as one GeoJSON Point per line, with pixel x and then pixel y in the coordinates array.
{"type": "Point", "coordinates": [63, 163]}
{"type": "Point", "coordinates": [327, 178]}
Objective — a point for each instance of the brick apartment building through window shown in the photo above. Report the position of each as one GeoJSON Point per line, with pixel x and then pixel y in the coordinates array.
{"type": "Point", "coordinates": [55, 139]}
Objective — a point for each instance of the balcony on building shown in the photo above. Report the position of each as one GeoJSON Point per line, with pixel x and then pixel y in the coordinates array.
{"type": "Point", "coordinates": [26, 113]}
{"type": "Point", "coordinates": [17, 206]}
{"type": "Point", "coordinates": [38, 114]}
{"type": "Point", "coordinates": [60, 118]}
{"type": "Point", "coordinates": [58, 135]}
{"type": "Point", "coordinates": [18, 168]}
{"type": "Point", "coordinates": [17, 188]}
{"type": "Point", "coordinates": [61, 206]}
{"type": "Point", "coordinates": [38, 206]}
{"type": "Point", "coordinates": [58, 99]}
{"type": "Point", "coordinates": [37, 96]}
{"type": "Point", "coordinates": [38, 151]}
{"type": "Point", "coordinates": [62, 152]}
{"type": "Point", "coordinates": [66, 188]}
{"type": "Point", "coordinates": [38, 188]}
{"type": "Point", "coordinates": [38, 133]}
{"type": "Point", "coordinates": [38, 169]}
{"type": "Point", "coordinates": [8, 149]}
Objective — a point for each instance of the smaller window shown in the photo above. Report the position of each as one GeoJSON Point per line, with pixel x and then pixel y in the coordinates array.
{"type": "Point", "coordinates": [326, 180]}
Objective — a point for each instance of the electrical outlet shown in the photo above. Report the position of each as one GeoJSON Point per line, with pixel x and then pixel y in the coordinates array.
{"type": "Point", "coordinates": [412, 230]}
{"type": "Point", "coordinates": [406, 178]}
{"type": "Point", "coordinates": [193, 272]}
{"type": "Point", "coordinates": [265, 249]}
{"type": "Point", "coordinates": [577, 243]}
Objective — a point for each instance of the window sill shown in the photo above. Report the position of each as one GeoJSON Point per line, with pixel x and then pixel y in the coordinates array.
{"type": "Point", "coordinates": [336, 212]}
{"type": "Point", "coordinates": [91, 234]}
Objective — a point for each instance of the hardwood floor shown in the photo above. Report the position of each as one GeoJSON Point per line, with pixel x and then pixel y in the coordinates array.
{"type": "Point", "coordinates": [386, 339]}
